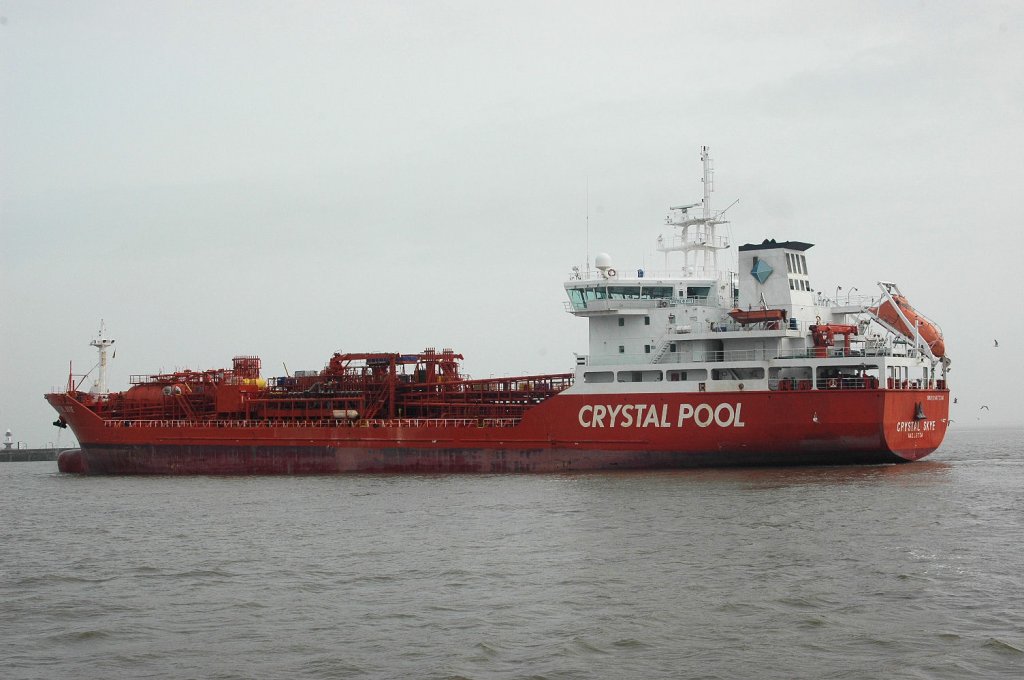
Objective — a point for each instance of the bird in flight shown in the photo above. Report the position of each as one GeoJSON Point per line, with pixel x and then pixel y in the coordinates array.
{"type": "Point", "coordinates": [985, 408]}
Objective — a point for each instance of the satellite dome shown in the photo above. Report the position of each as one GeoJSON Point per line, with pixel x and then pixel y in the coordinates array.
{"type": "Point", "coordinates": [603, 261]}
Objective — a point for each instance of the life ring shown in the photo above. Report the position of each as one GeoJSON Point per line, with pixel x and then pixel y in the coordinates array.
{"type": "Point", "coordinates": [611, 273]}
{"type": "Point", "coordinates": [832, 383]}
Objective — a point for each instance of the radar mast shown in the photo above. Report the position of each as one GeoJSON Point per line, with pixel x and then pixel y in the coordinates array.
{"type": "Point", "coordinates": [697, 238]}
{"type": "Point", "coordinates": [99, 387]}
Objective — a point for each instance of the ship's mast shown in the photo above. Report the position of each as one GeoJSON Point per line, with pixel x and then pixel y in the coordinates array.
{"type": "Point", "coordinates": [697, 238]}
{"type": "Point", "coordinates": [99, 387]}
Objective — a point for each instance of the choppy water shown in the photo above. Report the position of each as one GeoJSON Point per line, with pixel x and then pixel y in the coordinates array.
{"type": "Point", "coordinates": [913, 571]}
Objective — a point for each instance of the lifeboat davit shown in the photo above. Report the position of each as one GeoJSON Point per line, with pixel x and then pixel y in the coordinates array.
{"type": "Point", "coordinates": [928, 331]}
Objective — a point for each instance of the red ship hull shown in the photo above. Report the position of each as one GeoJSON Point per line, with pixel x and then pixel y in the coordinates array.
{"type": "Point", "coordinates": [567, 432]}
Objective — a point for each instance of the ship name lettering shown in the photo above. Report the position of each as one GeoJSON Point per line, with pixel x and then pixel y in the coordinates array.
{"type": "Point", "coordinates": [723, 415]}
{"type": "Point", "coordinates": [651, 415]}
{"type": "Point", "coordinates": [915, 425]}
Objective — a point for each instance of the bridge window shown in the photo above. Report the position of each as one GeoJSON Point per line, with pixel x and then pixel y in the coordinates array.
{"type": "Point", "coordinates": [699, 292]}
{"type": "Point", "coordinates": [624, 292]}
{"type": "Point", "coordinates": [656, 292]}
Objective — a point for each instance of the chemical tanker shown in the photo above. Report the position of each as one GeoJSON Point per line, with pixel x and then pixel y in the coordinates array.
{"type": "Point", "coordinates": [691, 366]}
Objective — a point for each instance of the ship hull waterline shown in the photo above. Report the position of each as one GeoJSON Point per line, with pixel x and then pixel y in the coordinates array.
{"type": "Point", "coordinates": [568, 432]}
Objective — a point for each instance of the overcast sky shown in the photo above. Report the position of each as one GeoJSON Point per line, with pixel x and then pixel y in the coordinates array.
{"type": "Point", "coordinates": [293, 178]}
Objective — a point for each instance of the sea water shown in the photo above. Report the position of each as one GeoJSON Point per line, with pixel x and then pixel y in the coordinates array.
{"type": "Point", "coordinates": [908, 571]}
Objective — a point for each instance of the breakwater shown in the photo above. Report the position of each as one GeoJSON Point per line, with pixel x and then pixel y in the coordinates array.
{"type": "Point", "coordinates": [28, 455]}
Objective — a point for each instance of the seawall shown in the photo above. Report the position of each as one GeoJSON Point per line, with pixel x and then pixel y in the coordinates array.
{"type": "Point", "coordinates": [27, 455]}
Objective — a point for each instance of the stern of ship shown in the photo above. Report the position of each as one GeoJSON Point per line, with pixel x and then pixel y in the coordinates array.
{"type": "Point", "coordinates": [915, 421]}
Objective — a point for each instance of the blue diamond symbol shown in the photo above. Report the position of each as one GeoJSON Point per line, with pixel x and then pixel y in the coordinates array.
{"type": "Point", "coordinates": [761, 271]}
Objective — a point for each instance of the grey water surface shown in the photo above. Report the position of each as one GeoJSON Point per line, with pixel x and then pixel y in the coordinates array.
{"type": "Point", "coordinates": [910, 571]}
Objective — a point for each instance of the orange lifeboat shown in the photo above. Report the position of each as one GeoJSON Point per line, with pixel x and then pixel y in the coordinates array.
{"type": "Point", "coordinates": [928, 331]}
{"type": "Point", "coordinates": [773, 317]}
{"type": "Point", "coordinates": [758, 315]}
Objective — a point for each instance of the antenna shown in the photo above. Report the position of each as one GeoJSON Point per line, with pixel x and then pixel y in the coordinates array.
{"type": "Point", "coordinates": [99, 387]}
{"type": "Point", "coordinates": [588, 226]}
{"type": "Point", "coordinates": [697, 239]}
{"type": "Point", "coordinates": [709, 180]}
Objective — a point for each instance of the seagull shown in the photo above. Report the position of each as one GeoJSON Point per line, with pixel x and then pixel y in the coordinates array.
{"type": "Point", "coordinates": [997, 343]}
{"type": "Point", "coordinates": [954, 400]}
{"type": "Point", "coordinates": [986, 408]}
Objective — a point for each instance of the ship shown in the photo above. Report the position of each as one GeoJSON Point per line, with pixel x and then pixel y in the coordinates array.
{"type": "Point", "coordinates": [704, 363]}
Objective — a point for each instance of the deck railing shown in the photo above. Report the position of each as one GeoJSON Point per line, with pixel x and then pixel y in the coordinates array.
{"type": "Point", "coordinates": [324, 422]}
{"type": "Point", "coordinates": [747, 355]}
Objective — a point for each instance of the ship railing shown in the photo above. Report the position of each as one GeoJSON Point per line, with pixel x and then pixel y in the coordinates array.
{"type": "Point", "coordinates": [437, 422]}
{"type": "Point", "coordinates": [321, 422]}
{"type": "Point", "coordinates": [592, 275]}
{"type": "Point", "coordinates": [741, 355]}
{"type": "Point", "coordinates": [612, 304]}
{"type": "Point", "coordinates": [837, 383]}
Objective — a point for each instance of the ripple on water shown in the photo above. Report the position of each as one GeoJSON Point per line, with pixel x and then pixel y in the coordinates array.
{"type": "Point", "coordinates": [904, 572]}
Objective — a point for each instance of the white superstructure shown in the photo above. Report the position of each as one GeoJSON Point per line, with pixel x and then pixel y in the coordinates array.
{"type": "Point", "coordinates": [694, 327]}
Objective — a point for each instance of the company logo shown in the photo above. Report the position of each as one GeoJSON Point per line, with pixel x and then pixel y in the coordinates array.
{"type": "Point", "coordinates": [761, 271]}
{"type": "Point", "coordinates": [651, 415]}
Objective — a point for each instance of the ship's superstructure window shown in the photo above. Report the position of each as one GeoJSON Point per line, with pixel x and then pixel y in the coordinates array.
{"type": "Point", "coordinates": [622, 349]}
{"type": "Point", "coordinates": [640, 376]}
{"type": "Point", "coordinates": [647, 321]}
{"type": "Point", "coordinates": [796, 266]}
{"type": "Point", "coordinates": [799, 284]}
{"type": "Point", "coordinates": [692, 374]}
{"type": "Point", "coordinates": [698, 292]}
{"type": "Point", "coordinates": [647, 349]}
{"type": "Point", "coordinates": [598, 377]}
{"type": "Point", "coordinates": [756, 373]}
{"type": "Point", "coordinates": [582, 295]}
{"type": "Point", "coordinates": [622, 322]}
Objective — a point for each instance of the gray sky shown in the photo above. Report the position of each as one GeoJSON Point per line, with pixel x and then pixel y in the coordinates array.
{"type": "Point", "coordinates": [291, 179]}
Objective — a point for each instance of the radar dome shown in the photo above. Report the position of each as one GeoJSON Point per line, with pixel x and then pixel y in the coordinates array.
{"type": "Point", "coordinates": [603, 261]}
